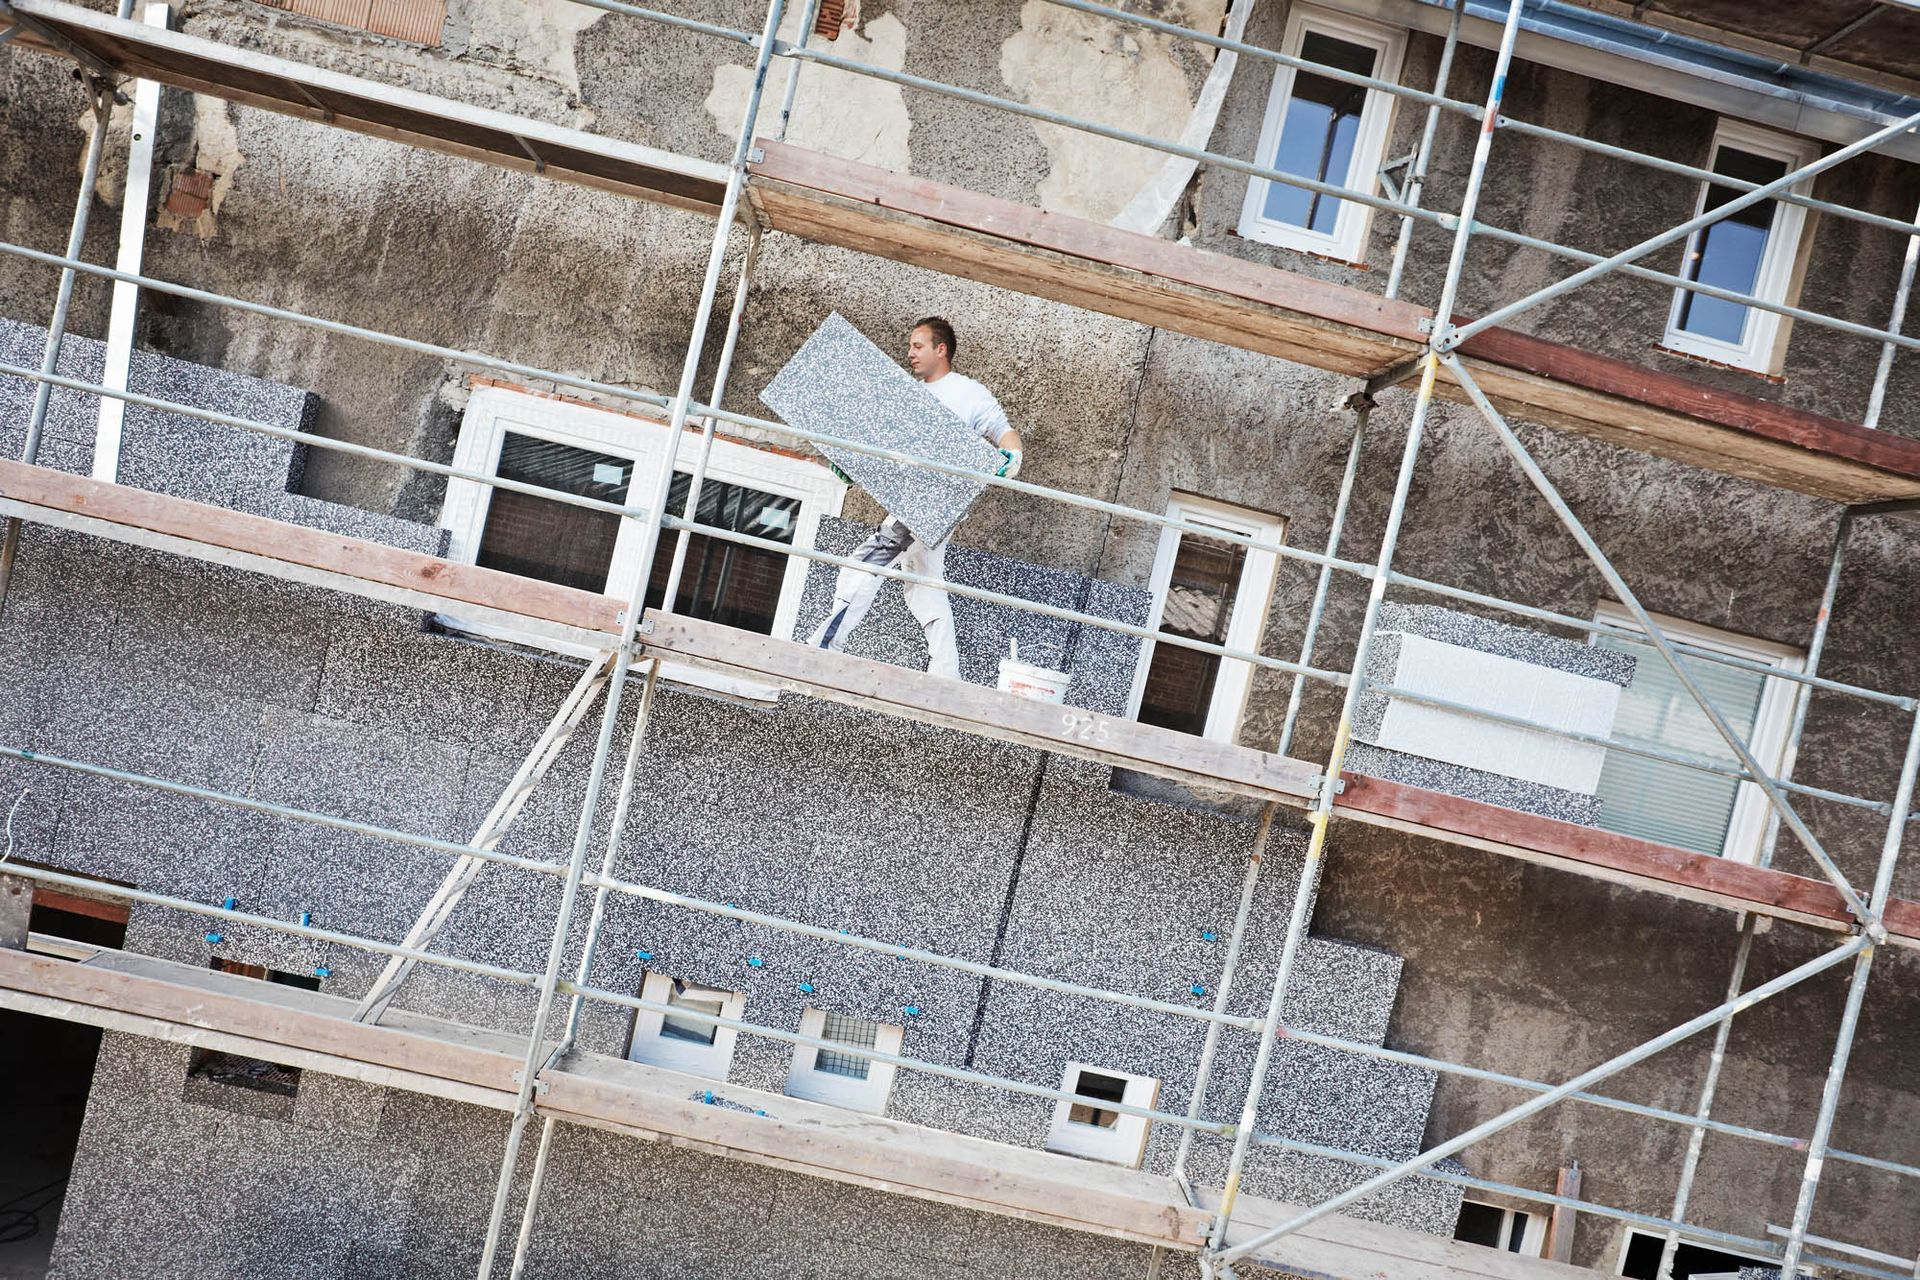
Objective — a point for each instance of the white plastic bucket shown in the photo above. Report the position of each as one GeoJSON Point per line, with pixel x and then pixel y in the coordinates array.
{"type": "Point", "coordinates": [1028, 681]}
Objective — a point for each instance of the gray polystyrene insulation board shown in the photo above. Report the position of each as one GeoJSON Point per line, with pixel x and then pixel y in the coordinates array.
{"type": "Point", "coordinates": [840, 384]}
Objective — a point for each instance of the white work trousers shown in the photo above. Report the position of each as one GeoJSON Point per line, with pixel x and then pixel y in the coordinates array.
{"type": "Point", "coordinates": [894, 546]}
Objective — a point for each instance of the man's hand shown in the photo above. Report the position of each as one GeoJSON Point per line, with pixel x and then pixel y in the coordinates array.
{"type": "Point", "coordinates": [1010, 464]}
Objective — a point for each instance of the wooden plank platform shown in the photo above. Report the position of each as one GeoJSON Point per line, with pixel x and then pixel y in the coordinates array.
{"type": "Point", "coordinates": [1589, 851]}
{"type": "Point", "coordinates": [379, 110]}
{"type": "Point", "coordinates": [358, 567]}
{"type": "Point", "coordinates": [181, 1003]}
{"type": "Point", "coordinates": [915, 695]}
{"type": "Point", "coordinates": [1329, 326]}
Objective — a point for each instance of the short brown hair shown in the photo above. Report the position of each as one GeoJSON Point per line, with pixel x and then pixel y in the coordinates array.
{"type": "Point", "coordinates": [942, 334]}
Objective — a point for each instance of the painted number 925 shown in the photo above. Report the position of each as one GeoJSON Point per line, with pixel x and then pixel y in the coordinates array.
{"type": "Point", "coordinates": [1083, 727]}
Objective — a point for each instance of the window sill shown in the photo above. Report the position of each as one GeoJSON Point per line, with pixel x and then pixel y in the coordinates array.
{"type": "Point", "coordinates": [1317, 254]}
{"type": "Point", "coordinates": [1773, 378]}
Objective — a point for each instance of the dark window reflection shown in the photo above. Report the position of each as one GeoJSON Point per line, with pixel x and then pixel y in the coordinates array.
{"type": "Point", "coordinates": [1318, 132]}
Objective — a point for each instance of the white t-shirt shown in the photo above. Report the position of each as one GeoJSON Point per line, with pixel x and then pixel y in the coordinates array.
{"type": "Point", "coordinates": [973, 404]}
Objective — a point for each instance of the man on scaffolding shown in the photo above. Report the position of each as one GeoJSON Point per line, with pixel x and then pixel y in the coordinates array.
{"type": "Point", "coordinates": [931, 347]}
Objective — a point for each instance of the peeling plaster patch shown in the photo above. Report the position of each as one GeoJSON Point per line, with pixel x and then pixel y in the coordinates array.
{"type": "Point", "coordinates": [836, 112]}
{"type": "Point", "coordinates": [196, 190]}
{"type": "Point", "coordinates": [1079, 64]}
{"type": "Point", "coordinates": [537, 37]}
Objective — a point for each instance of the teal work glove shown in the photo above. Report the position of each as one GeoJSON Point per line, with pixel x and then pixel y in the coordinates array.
{"type": "Point", "coordinates": [1010, 466]}
{"type": "Point", "coordinates": [840, 475]}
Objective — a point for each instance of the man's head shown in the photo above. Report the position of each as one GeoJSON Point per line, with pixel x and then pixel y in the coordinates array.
{"type": "Point", "coordinates": [930, 348]}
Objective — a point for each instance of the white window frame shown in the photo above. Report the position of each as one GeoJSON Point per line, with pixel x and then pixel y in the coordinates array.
{"type": "Point", "coordinates": [1626, 1242]}
{"type": "Point", "coordinates": [1761, 348]}
{"type": "Point", "coordinates": [1252, 602]}
{"type": "Point", "coordinates": [652, 1046]}
{"type": "Point", "coordinates": [1773, 721]}
{"type": "Point", "coordinates": [492, 412]}
{"type": "Point", "coordinates": [1533, 1237]}
{"type": "Point", "coordinates": [806, 1081]}
{"type": "Point", "coordinates": [1125, 1143]}
{"type": "Point", "coordinates": [1348, 241]}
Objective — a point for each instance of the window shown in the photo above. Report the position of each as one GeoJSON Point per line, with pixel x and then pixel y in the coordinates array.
{"type": "Point", "coordinates": [212, 1073]}
{"type": "Point", "coordinates": [1752, 251]}
{"type": "Point", "coordinates": [843, 1079]}
{"type": "Point", "coordinates": [1640, 1258]}
{"type": "Point", "coordinates": [680, 1043]}
{"type": "Point", "coordinates": [1510, 1229]}
{"type": "Point", "coordinates": [1324, 129]}
{"type": "Point", "coordinates": [1670, 803]}
{"type": "Point", "coordinates": [1090, 1129]}
{"type": "Point", "coordinates": [1211, 590]}
{"type": "Point", "coordinates": [609, 456]}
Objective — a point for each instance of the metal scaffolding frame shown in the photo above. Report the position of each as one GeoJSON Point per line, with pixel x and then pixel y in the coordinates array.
{"type": "Point", "coordinates": [610, 670]}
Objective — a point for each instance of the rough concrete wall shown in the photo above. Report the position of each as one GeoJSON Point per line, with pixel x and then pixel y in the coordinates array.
{"type": "Point", "coordinates": [363, 1182]}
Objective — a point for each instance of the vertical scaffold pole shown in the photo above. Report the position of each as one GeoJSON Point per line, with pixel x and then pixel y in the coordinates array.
{"type": "Point", "coordinates": [1363, 406]}
{"type": "Point", "coordinates": [1716, 1059]}
{"type": "Point", "coordinates": [1417, 179]}
{"type": "Point", "coordinates": [1850, 1019]}
{"type": "Point", "coordinates": [1322, 812]}
{"type": "Point", "coordinates": [1363, 410]}
{"type": "Point", "coordinates": [698, 480]}
{"type": "Point", "coordinates": [584, 974]}
{"type": "Point", "coordinates": [1878, 399]}
{"type": "Point", "coordinates": [629, 627]}
{"type": "Point", "coordinates": [62, 303]}
{"type": "Point", "coordinates": [809, 15]}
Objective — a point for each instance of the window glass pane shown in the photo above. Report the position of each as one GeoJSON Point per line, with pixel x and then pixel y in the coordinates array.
{"type": "Point", "coordinates": [1479, 1224]}
{"type": "Point", "coordinates": [676, 1028]}
{"type": "Point", "coordinates": [1670, 803]}
{"type": "Point", "coordinates": [844, 1030]}
{"type": "Point", "coordinates": [1199, 604]}
{"type": "Point", "coordinates": [1317, 133]}
{"type": "Point", "coordinates": [1102, 1088]}
{"type": "Point", "coordinates": [1643, 1259]}
{"type": "Point", "coordinates": [541, 538]}
{"type": "Point", "coordinates": [1728, 253]}
{"type": "Point", "coordinates": [725, 582]}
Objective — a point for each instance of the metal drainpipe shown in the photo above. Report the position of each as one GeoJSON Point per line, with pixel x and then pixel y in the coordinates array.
{"type": "Point", "coordinates": [62, 303]}
{"type": "Point", "coordinates": [1417, 179]}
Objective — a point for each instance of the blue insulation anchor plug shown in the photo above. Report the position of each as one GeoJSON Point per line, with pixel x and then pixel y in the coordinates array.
{"type": "Point", "coordinates": [759, 1113]}
{"type": "Point", "coordinates": [1197, 989]}
{"type": "Point", "coordinates": [230, 904]}
{"type": "Point", "coordinates": [754, 962]}
{"type": "Point", "coordinates": [214, 939]}
{"type": "Point", "coordinates": [644, 955]}
{"type": "Point", "coordinates": [306, 919]}
{"type": "Point", "coordinates": [708, 1097]}
{"type": "Point", "coordinates": [807, 987]}
{"type": "Point", "coordinates": [1208, 935]}
{"type": "Point", "coordinates": [321, 971]}
{"type": "Point", "coordinates": [912, 1011]}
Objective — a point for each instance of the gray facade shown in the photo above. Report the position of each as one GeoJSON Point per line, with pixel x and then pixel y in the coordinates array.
{"type": "Point", "coordinates": [160, 665]}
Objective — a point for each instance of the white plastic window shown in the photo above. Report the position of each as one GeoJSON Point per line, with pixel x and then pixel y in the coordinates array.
{"type": "Point", "coordinates": [1510, 1230]}
{"type": "Point", "coordinates": [1671, 803]}
{"type": "Point", "coordinates": [1211, 590]}
{"type": "Point", "coordinates": [1088, 1127]}
{"type": "Point", "coordinates": [681, 1043]}
{"type": "Point", "coordinates": [611, 456]}
{"type": "Point", "coordinates": [840, 1078]}
{"type": "Point", "coordinates": [1328, 130]}
{"type": "Point", "coordinates": [1751, 252]}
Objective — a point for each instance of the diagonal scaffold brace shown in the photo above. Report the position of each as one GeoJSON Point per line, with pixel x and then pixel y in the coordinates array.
{"type": "Point", "coordinates": [492, 829]}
